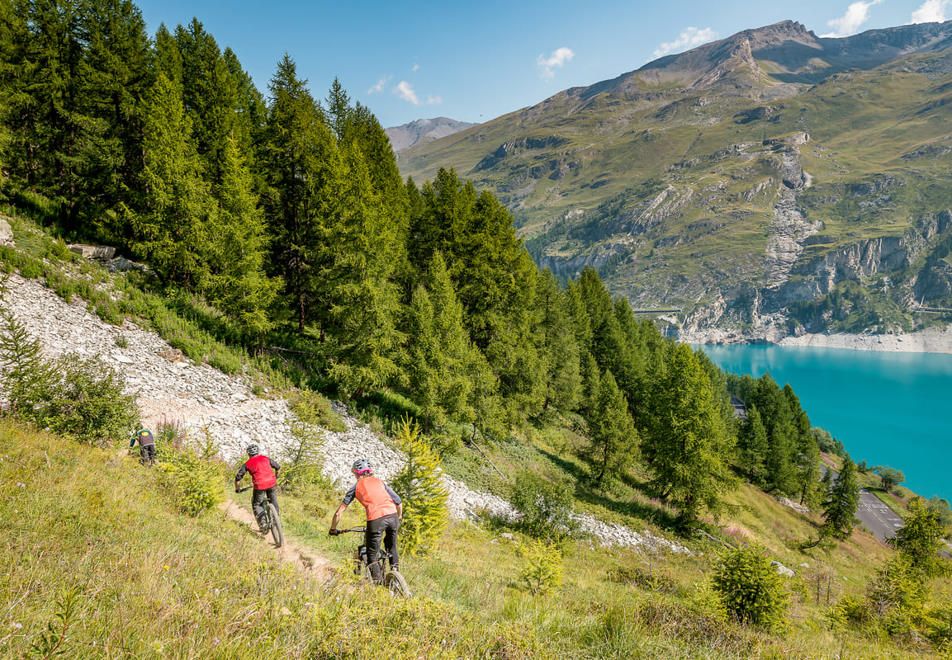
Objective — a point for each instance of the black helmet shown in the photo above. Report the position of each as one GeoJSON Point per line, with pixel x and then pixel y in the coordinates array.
{"type": "Point", "coordinates": [252, 449]}
{"type": "Point", "coordinates": [361, 465]}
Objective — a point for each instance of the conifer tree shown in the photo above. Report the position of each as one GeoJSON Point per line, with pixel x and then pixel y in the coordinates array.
{"type": "Point", "coordinates": [24, 372]}
{"type": "Point", "coordinates": [339, 111]}
{"type": "Point", "coordinates": [558, 351]}
{"type": "Point", "coordinates": [839, 510]}
{"type": "Point", "coordinates": [303, 172]}
{"type": "Point", "coordinates": [753, 446]}
{"type": "Point", "coordinates": [612, 436]}
{"type": "Point", "coordinates": [421, 488]}
{"type": "Point", "coordinates": [172, 231]}
{"type": "Point", "coordinates": [363, 301]}
{"type": "Point", "coordinates": [439, 350]}
{"type": "Point", "coordinates": [684, 442]}
{"type": "Point", "coordinates": [919, 540]}
{"type": "Point", "coordinates": [237, 282]}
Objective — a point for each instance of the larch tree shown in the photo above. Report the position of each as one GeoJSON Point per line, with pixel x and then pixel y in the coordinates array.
{"type": "Point", "coordinates": [172, 229]}
{"type": "Point", "coordinates": [839, 510]}
{"type": "Point", "coordinates": [685, 443]}
{"type": "Point", "coordinates": [613, 441]}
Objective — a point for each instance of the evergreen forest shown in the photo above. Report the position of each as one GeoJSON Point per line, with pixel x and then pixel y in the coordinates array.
{"type": "Point", "coordinates": [288, 216]}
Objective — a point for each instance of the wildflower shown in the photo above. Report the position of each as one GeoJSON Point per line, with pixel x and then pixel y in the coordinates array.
{"type": "Point", "coordinates": [17, 625]}
{"type": "Point", "coordinates": [166, 567]}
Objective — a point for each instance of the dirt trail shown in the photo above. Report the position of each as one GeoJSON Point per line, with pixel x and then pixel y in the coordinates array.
{"type": "Point", "coordinates": [319, 567]}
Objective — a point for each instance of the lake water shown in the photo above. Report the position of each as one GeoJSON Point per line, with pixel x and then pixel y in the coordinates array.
{"type": "Point", "coordinates": [886, 408]}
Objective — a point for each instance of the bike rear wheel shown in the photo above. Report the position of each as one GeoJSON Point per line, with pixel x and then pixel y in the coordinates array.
{"type": "Point", "coordinates": [396, 585]}
{"type": "Point", "coordinates": [276, 530]}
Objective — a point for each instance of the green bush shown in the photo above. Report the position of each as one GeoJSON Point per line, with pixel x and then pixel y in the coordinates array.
{"type": "Point", "coordinates": [192, 474]}
{"type": "Point", "coordinates": [420, 485]}
{"type": "Point", "coordinates": [749, 588]}
{"type": "Point", "coordinates": [542, 568]}
{"type": "Point", "coordinates": [301, 465]}
{"type": "Point", "coordinates": [546, 506]}
{"type": "Point", "coordinates": [86, 399]}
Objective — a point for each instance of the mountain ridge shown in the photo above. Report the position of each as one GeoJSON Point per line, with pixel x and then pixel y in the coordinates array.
{"type": "Point", "coordinates": [686, 182]}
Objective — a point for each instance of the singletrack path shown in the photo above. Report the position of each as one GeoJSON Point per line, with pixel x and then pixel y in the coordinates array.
{"type": "Point", "coordinates": [306, 560]}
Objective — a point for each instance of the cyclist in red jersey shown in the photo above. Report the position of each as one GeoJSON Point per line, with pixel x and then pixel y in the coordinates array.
{"type": "Point", "coordinates": [384, 514]}
{"type": "Point", "coordinates": [264, 478]}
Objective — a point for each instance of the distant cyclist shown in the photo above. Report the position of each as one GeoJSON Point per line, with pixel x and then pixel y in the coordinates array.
{"type": "Point", "coordinates": [264, 478]}
{"type": "Point", "coordinates": [384, 514]}
{"type": "Point", "coordinates": [146, 445]}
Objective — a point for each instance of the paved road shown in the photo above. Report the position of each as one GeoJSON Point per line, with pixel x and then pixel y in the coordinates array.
{"type": "Point", "coordinates": [876, 516]}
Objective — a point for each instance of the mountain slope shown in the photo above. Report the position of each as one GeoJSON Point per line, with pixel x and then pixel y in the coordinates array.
{"type": "Point", "coordinates": [749, 181]}
{"type": "Point", "coordinates": [421, 131]}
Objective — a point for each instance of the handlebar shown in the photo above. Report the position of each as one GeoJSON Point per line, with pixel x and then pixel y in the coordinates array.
{"type": "Point", "coordinates": [241, 490]}
{"type": "Point", "coordinates": [338, 532]}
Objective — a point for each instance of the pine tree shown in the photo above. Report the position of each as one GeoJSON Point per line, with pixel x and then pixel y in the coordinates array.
{"type": "Point", "coordinates": [362, 299]}
{"type": "Point", "coordinates": [237, 283]}
{"type": "Point", "coordinates": [919, 540]}
{"type": "Point", "coordinates": [839, 510]}
{"type": "Point", "coordinates": [338, 110]}
{"type": "Point", "coordinates": [685, 443]}
{"type": "Point", "coordinates": [421, 488]}
{"type": "Point", "coordinates": [24, 372]}
{"type": "Point", "coordinates": [303, 171]}
{"type": "Point", "coordinates": [753, 446]}
{"type": "Point", "coordinates": [439, 351]}
{"type": "Point", "coordinates": [558, 351]}
{"type": "Point", "coordinates": [172, 232]}
{"type": "Point", "coordinates": [612, 436]}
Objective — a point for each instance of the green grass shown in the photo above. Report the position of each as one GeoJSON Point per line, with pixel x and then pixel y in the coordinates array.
{"type": "Point", "coordinates": [149, 582]}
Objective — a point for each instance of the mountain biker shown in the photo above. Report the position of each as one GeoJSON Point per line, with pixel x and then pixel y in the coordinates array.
{"type": "Point", "coordinates": [146, 445]}
{"type": "Point", "coordinates": [384, 514]}
{"type": "Point", "coordinates": [264, 478]}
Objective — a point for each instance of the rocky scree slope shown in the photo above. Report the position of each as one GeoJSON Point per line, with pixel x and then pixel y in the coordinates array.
{"type": "Point", "coordinates": [171, 388]}
{"type": "Point", "coordinates": [745, 181]}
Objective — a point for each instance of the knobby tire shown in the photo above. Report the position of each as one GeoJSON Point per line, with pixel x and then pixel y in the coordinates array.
{"type": "Point", "coordinates": [276, 532]}
{"type": "Point", "coordinates": [395, 583]}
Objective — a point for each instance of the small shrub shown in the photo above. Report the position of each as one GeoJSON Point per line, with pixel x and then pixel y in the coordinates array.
{"type": "Point", "coordinates": [850, 610]}
{"type": "Point", "coordinates": [301, 466]}
{"type": "Point", "coordinates": [542, 567]}
{"type": "Point", "coordinates": [315, 410]}
{"type": "Point", "coordinates": [192, 474]}
{"type": "Point", "coordinates": [86, 399]}
{"type": "Point", "coordinates": [546, 506]}
{"type": "Point", "coordinates": [749, 588]}
{"type": "Point", "coordinates": [420, 485]}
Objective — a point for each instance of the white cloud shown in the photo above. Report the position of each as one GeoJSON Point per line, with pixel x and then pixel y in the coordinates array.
{"type": "Point", "coordinates": [434, 100]}
{"type": "Point", "coordinates": [376, 89]}
{"type": "Point", "coordinates": [405, 91]}
{"type": "Point", "coordinates": [557, 59]}
{"type": "Point", "coordinates": [849, 23]}
{"type": "Point", "coordinates": [930, 11]}
{"type": "Point", "coordinates": [415, 67]}
{"type": "Point", "coordinates": [689, 38]}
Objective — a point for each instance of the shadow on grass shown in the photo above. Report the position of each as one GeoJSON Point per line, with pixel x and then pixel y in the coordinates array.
{"type": "Point", "coordinates": [635, 508]}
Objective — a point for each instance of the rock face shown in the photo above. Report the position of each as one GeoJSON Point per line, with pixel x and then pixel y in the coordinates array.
{"type": "Point", "coordinates": [99, 252]}
{"type": "Point", "coordinates": [201, 399]}
{"type": "Point", "coordinates": [6, 233]}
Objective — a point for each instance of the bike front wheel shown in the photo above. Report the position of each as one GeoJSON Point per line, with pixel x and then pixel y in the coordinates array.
{"type": "Point", "coordinates": [276, 532]}
{"type": "Point", "coordinates": [396, 585]}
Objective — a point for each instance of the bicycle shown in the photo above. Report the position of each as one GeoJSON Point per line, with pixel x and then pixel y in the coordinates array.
{"type": "Point", "coordinates": [393, 581]}
{"type": "Point", "coordinates": [271, 520]}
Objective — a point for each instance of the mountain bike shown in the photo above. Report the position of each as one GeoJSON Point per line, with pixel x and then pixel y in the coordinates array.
{"type": "Point", "coordinates": [393, 581]}
{"type": "Point", "coordinates": [271, 521]}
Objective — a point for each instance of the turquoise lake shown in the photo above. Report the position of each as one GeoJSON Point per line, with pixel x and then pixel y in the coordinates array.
{"type": "Point", "coordinates": [886, 408]}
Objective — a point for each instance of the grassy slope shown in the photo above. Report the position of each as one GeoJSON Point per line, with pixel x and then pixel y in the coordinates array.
{"type": "Point", "coordinates": [153, 583]}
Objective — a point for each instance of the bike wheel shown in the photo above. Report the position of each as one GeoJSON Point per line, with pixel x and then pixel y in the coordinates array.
{"type": "Point", "coordinates": [276, 530]}
{"type": "Point", "coordinates": [396, 585]}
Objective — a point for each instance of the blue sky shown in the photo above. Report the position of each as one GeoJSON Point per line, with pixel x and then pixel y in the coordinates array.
{"type": "Point", "coordinates": [476, 61]}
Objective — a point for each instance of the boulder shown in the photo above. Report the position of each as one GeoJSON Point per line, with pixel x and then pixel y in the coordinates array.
{"type": "Point", "coordinates": [781, 569]}
{"type": "Point", "coordinates": [100, 252]}
{"type": "Point", "coordinates": [6, 233]}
